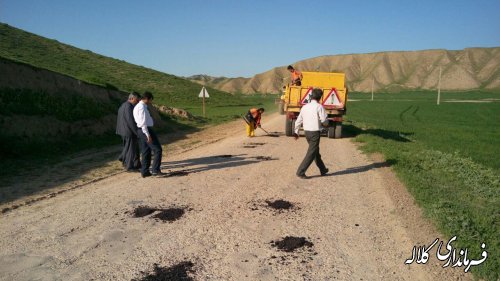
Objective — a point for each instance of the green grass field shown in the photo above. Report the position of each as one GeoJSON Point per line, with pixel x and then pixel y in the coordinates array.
{"type": "Point", "coordinates": [447, 155]}
{"type": "Point", "coordinates": [219, 111]}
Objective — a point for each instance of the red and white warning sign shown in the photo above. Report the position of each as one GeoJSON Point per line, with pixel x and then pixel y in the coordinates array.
{"type": "Point", "coordinates": [333, 100]}
{"type": "Point", "coordinates": [307, 97]}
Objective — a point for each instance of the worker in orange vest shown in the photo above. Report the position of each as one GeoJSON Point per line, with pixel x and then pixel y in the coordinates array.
{"type": "Point", "coordinates": [296, 76]}
{"type": "Point", "coordinates": [252, 118]}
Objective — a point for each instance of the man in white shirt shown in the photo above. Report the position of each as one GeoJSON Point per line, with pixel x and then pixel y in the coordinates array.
{"type": "Point", "coordinates": [312, 116]}
{"type": "Point", "coordinates": [147, 138]}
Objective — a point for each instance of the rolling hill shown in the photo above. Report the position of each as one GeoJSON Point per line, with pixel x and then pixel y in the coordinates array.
{"type": "Point", "coordinates": [472, 68]}
{"type": "Point", "coordinates": [57, 98]}
{"type": "Point", "coordinates": [84, 65]}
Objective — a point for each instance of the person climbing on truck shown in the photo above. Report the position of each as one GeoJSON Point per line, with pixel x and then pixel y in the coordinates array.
{"type": "Point", "coordinates": [296, 76]}
{"type": "Point", "coordinates": [253, 118]}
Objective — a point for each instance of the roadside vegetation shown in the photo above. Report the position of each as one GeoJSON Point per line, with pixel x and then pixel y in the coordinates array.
{"type": "Point", "coordinates": [447, 155]}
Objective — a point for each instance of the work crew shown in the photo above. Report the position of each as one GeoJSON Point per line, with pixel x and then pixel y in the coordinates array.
{"type": "Point", "coordinates": [296, 76]}
{"type": "Point", "coordinates": [253, 118]}
{"type": "Point", "coordinates": [147, 138]}
{"type": "Point", "coordinates": [127, 129]}
{"type": "Point", "coordinates": [313, 116]}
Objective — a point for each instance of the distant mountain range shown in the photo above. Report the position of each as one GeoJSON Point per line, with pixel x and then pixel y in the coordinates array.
{"type": "Point", "coordinates": [471, 68]}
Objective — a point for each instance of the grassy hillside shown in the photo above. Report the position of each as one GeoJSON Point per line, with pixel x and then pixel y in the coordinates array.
{"type": "Point", "coordinates": [40, 87]}
{"type": "Point", "coordinates": [446, 156]}
{"type": "Point", "coordinates": [18, 45]}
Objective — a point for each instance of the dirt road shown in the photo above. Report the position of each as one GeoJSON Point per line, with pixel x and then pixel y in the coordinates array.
{"type": "Point", "coordinates": [360, 221]}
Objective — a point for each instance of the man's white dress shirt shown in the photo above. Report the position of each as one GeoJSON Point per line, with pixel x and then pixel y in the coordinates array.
{"type": "Point", "coordinates": [311, 115]}
{"type": "Point", "coordinates": [142, 117]}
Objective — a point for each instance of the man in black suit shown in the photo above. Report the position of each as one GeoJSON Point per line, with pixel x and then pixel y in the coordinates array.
{"type": "Point", "coordinates": [127, 129]}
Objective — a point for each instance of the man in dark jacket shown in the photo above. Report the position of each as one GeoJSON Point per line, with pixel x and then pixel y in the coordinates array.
{"type": "Point", "coordinates": [127, 129]}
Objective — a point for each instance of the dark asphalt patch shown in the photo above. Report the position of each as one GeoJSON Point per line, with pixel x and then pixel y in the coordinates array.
{"type": "Point", "coordinates": [176, 174]}
{"type": "Point", "coordinates": [291, 243]}
{"type": "Point", "coordinates": [279, 204]}
{"type": "Point", "coordinates": [143, 211]}
{"type": "Point", "coordinates": [274, 134]}
{"type": "Point", "coordinates": [170, 214]}
{"type": "Point", "coordinates": [177, 272]}
{"type": "Point", "coordinates": [265, 158]}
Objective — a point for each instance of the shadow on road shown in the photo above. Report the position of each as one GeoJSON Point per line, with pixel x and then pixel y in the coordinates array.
{"type": "Point", "coordinates": [361, 169]}
{"type": "Point", "coordinates": [215, 162]}
{"type": "Point", "coordinates": [33, 176]}
{"type": "Point", "coordinates": [353, 131]}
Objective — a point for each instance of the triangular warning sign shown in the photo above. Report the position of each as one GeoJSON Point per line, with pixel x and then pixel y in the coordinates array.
{"type": "Point", "coordinates": [203, 93]}
{"type": "Point", "coordinates": [333, 100]}
{"type": "Point", "coordinates": [307, 97]}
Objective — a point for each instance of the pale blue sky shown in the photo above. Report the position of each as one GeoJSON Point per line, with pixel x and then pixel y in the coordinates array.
{"type": "Point", "coordinates": [243, 38]}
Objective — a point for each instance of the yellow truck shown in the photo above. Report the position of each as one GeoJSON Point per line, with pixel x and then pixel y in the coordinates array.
{"type": "Point", "coordinates": [334, 100]}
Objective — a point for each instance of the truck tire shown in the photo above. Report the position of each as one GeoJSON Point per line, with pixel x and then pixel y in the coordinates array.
{"type": "Point", "coordinates": [281, 108]}
{"type": "Point", "coordinates": [338, 130]}
{"type": "Point", "coordinates": [331, 132]}
{"type": "Point", "coordinates": [289, 127]}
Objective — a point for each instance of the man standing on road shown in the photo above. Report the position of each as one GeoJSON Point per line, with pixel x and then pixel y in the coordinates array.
{"type": "Point", "coordinates": [313, 116]}
{"type": "Point", "coordinates": [126, 128]}
{"type": "Point", "coordinates": [296, 76]}
{"type": "Point", "coordinates": [147, 137]}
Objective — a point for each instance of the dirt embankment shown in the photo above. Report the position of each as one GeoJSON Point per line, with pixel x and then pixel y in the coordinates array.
{"type": "Point", "coordinates": [19, 79]}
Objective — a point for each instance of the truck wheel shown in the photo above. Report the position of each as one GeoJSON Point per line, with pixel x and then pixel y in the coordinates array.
{"type": "Point", "coordinates": [281, 107]}
{"type": "Point", "coordinates": [289, 127]}
{"type": "Point", "coordinates": [331, 132]}
{"type": "Point", "coordinates": [338, 130]}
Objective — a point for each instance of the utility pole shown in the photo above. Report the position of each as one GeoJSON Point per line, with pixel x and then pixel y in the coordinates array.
{"type": "Point", "coordinates": [373, 82]}
{"type": "Point", "coordinates": [439, 86]}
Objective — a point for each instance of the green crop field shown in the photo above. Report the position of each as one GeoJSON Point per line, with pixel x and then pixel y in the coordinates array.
{"type": "Point", "coordinates": [226, 110]}
{"type": "Point", "coordinates": [447, 155]}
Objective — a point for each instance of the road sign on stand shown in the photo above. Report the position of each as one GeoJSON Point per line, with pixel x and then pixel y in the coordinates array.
{"type": "Point", "coordinates": [203, 94]}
